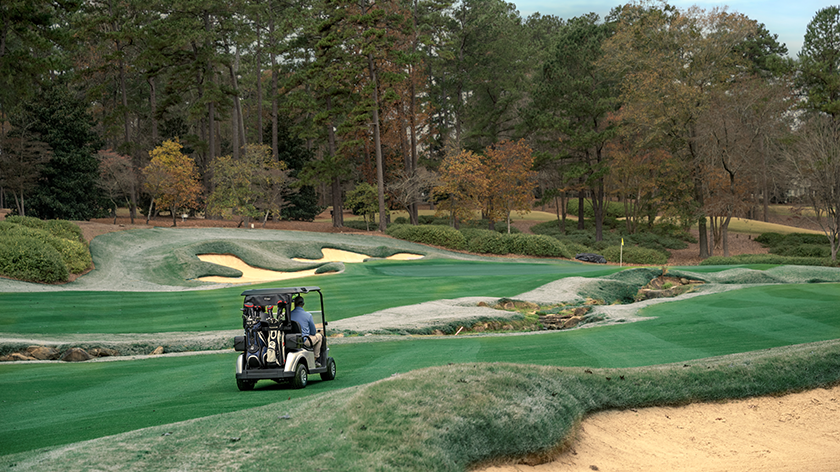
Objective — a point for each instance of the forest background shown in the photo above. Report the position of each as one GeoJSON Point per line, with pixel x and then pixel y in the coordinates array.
{"type": "Point", "coordinates": [278, 109]}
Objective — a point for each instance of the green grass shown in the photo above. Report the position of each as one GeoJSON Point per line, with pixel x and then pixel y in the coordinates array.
{"type": "Point", "coordinates": [362, 288]}
{"type": "Point", "coordinates": [441, 418]}
{"type": "Point", "coordinates": [53, 404]}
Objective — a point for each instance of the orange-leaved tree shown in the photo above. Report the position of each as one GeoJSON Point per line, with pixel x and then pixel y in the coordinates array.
{"type": "Point", "coordinates": [463, 185]}
{"type": "Point", "coordinates": [171, 179]}
{"type": "Point", "coordinates": [508, 167]}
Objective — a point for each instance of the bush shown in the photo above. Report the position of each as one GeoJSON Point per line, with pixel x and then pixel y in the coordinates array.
{"type": "Point", "coordinates": [804, 250]}
{"type": "Point", "coordinates": [73, 252]}
{"type": "Point", "coordinates": [484, 241]}
{"type": "Point", "coordinates": [611, 209]}
{"type": "Point", "coordinates": [435, 235]}
{"type": "Point", "coordinates": [770, 239]}
{"type": "Point", "coordinates": [635, 255]}
{"type": "Point", "coordinates": [30, 260]}
{"type": "Point", "coordinates": [773, 259]}
{"type": "Point", "coordinates": [537, 245]}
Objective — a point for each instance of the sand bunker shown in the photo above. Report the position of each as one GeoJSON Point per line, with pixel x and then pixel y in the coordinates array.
{"type": "Point", "coordinates": [790, 433]}
{"type": "Point", "coordinates": [337, 255]}
{"type": "Point", "coordinates": [251, 274]}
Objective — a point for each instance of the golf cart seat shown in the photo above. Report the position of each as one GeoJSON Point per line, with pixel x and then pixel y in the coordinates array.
{"type": "Point", "coordinates": [294, 338]}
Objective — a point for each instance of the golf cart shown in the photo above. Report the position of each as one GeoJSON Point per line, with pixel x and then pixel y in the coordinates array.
{"type": "Point", "coordinates": [273, 346]}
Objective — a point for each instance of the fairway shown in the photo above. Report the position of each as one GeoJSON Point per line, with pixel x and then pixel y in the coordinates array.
{"type": "Point", "coordinates": [51, 404]}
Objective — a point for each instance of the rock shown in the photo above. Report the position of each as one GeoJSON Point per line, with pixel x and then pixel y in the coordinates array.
{"type": "Point", "coordinates": [43, 353]}
{"type": "Point", "coordinates": [509, 306]}
{"type": "Point", "coordinates": [157, 351]}
{"type": "Point", "coordinates": [103, 352]}
{"type": "Point", "coordinates": [572, 322]}
{"type": "Point", "coordinates": [16, 356]}
{"type": "Point", "coordinates": [75, 354]}
{"type": "Point", "coordinates": [483, 304]}
{"type": "Point", "coordinates": [581, 310]}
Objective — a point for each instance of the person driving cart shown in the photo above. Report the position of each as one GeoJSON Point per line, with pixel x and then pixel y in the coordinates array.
{"type": "Point", "coordinates": [312, 338]}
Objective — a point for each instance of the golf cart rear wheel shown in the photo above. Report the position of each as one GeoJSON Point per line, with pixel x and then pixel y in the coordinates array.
{"type": "Point", "coordinates": [245, 385]}
{"type": "Point", "coordinates": [330, 373]}
{"type": "Point", "coordinates": [301, 376]}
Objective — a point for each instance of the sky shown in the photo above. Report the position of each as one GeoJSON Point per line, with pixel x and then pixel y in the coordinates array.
{"type": "Point", "coordinates": [788, 19]}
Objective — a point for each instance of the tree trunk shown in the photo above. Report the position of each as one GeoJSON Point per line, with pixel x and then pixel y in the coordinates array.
{"type": "Point", "coordinates": [275, 152]}
{"type": "Point", "coordinates": [337, 202]}
{"type": "Point", "coordinates": [380, 177]}
{"type": "Point", "coordinates": [258, 67]}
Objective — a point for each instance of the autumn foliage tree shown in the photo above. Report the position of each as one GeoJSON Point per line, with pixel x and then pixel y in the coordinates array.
{"type": "Point", "coordinates": [463, 185]}
{"type": "Point", "coordinates": [171, 179]}
{"type": "Point", "coordinates": [510, 180]}
{"type": "Point", "coordinates": [250, 187]}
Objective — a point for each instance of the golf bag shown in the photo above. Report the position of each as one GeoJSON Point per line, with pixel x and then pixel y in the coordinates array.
{"type": "Point", "coordinates": [255, 343]}
{"type": "Point", "coordinates": [274, 351]}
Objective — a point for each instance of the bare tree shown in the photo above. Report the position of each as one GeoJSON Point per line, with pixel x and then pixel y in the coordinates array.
{"type": "Point", "coordinates": [816, 161]}
{"type": "Point", "coordinates": [21, 158]}
{"type": "Point", "coordinates": [408, 191]}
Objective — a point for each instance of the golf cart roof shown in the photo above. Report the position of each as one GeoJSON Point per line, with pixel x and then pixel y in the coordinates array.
{"type": "Point", "coordinates": [284, 290]}
{"type": "Point", "coordinates": [274, 296]}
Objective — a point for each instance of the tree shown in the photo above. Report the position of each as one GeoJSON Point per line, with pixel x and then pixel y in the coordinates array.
{"type": "Point", "coordinates": [737, 136]}
{"type": "Point", "coordinates": [510, 180]}
{"type": "Point", "coordinates": [172, 179]}
{"type": "Point", "coordinates": [574, 99]}
{"type": "Point", "coordinates": [117, 178]}
{"type": "Point", "coordinates": [364, 200]}
{"type": "Point", "coordinates": [67, 189]}
{"type": "Point", "coordinates": [819, 62]}
{"type": "Point", "coordinates": [463, 185]}
{"type": "Point", "coordinates": [670, 61]}
{"type": "Point", "coordinates": [815, 160]}
{"type": "Point", "coordinates": [21, 159]}
{"type": "Point", "coordinates": [409, 190]}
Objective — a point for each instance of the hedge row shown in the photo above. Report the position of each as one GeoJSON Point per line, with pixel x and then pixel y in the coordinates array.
{"type": "Point", "coordinates": [434, 235]}
{"type": "Point", "coordinates": [774, 259]}
{"type": "Point", "coordinates": [491, 242]}
{"type": "Point", "coordinates": [42, 251]}
{"type": "Point", "coordinates": [481, 241]}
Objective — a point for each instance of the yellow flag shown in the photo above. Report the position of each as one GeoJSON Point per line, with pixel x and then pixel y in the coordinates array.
{"type": "Point", "coordinates": [622, 241]}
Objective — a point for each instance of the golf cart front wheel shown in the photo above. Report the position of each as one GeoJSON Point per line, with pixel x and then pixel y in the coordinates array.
{"type": "Point", "coordinates": [301, 376]}
{"type": "Point", "coordinates": [330, 373]}
{"type": "Point", "coordinates": [245, 385]}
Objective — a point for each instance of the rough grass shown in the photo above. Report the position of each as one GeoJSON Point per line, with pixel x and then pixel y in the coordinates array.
{"type": "Point", "coordinates": [439, 418]}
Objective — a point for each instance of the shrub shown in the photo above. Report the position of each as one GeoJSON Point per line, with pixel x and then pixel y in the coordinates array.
{"type": "Point", "coordinates": [770, 239]}
{"type": "Point", "coordinates": [485, 241]}
{"type": "Point", "coordinates": [537, 245]}
{"type": "Point", "coordinates": [803, 250]}
{"type": "Point", "coordinates": [73, 252]}
{"type": "Point", "coordinates": [635, 255]}
{"type": "Point", "coordinates": [611, 209]}
{"type": "Point", "coordinates": [29, 259]}
{"type": "Point", "coordinates": [435, 235]}
{"type": "Point", "coordinates": [773, 259]}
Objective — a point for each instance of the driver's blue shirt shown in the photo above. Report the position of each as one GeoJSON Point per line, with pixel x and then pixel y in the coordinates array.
{"type": "Point", "coordinates": [304, 319]}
